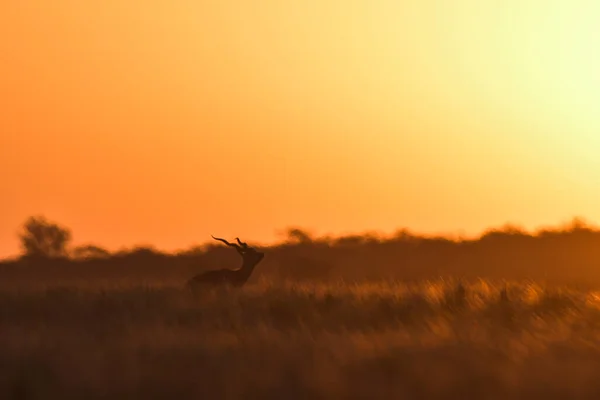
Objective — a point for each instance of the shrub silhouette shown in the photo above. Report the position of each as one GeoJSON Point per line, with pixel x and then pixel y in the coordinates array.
{"type": "Point", "coordinates": [90, 251]}
{"type": "Point", "coordinates": [41, 238]}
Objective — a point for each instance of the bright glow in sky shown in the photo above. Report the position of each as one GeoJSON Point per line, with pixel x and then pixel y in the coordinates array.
{"type": "Point", "coordinates": [161, 122]}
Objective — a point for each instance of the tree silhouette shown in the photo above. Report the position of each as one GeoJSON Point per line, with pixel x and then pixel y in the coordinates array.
{"type": "Point", "coordinates": [41, 238]}
{"type": "Point", "coordinates": [297, 235]}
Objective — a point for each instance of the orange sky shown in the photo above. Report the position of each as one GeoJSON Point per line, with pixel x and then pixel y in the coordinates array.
{"type": "Point", "coordinates": [161, 122]}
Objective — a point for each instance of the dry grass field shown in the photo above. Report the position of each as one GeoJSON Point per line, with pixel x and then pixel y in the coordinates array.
{"type": "Point", "coordinates": [286, 340]}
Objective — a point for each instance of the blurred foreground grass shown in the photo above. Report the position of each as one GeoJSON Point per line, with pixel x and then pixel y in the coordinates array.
{"type": "Point", "coordinates": [291, 341]}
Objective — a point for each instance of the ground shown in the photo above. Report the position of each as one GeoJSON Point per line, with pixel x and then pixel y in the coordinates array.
{"type": "Point", "coordinates": [297, 341]}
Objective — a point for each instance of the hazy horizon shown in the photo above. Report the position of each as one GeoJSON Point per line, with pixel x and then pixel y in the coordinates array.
{"type": "Point", "coordinates": [282, 235]}
{"type": "Point", "coordinates": [166, 123]}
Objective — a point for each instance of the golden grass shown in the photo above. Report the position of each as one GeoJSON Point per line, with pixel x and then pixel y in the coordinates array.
{"type": "Point", "coordinates": [298, 341]}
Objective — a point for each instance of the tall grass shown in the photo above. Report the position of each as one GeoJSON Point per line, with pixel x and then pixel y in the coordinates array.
{"type": "Point", "coordinates": [298, 341]}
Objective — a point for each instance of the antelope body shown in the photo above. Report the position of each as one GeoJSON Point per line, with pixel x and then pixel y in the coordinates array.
{"type": "Point", "coordinates": [236, 278]}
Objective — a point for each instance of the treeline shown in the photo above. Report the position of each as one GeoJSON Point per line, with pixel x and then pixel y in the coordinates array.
{"type": "Point", "coordinates": [568, 254]}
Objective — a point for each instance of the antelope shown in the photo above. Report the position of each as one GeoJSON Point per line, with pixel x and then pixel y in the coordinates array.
{"type": "Point", "coordinates": [236, 278]}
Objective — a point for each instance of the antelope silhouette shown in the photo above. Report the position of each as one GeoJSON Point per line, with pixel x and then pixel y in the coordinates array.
{"type": "Point", "coordinates": [236, 278]}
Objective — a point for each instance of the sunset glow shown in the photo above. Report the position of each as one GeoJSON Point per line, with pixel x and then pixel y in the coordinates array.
{"type": "Point", "coordinates": [162, 122]}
